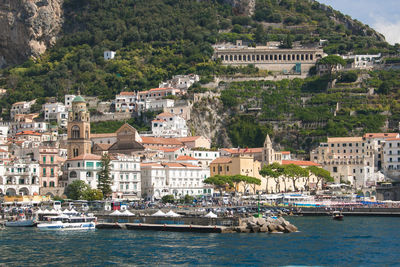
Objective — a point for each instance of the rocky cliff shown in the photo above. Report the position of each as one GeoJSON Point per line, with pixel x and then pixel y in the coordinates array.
{"type": "Point", "coordinates": [28, 28]}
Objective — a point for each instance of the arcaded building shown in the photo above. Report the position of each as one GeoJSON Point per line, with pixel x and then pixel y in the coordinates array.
{"type": "Point", "coordinates": [296, 60]}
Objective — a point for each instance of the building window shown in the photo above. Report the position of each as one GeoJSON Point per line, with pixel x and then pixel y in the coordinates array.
{"type": "Point", "coordinates": [75, 132]}
{"type": "Point", "coordinates": [334, 169]}
{"type": "Point", "coordinates": [44, 160]}
{"type": "Point", "coordinates": [44, 171]}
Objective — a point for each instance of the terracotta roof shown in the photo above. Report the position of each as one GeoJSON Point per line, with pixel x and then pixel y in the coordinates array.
{"type": "Point", "coordinates": [300, 163]}
{"type": "Point", "coordinates": [188, 139]}
{"type": "Point", "coordinates": [161, 141]}
{"type": "Point", "coordinates": [189, 165]}
{"type": "Point", "coordinates": [186, 158]}
{"type": "Point", "coordinates": [150, 164]}
{"type": "Point", "coordinates": [161, 89]}
{"type": "Point", "coordinates": [103, 135]}
{"type": "Point", "coordinates": [393, 139]}
{"type": "Point", "coordinates": [19, 103]}
{"type": "Point", "coordinates": [127, 93]}
{"type": "Point", "coordinates": [28, 133]}
{"type": "Point", "coordinates": [87, 157]}
{"type": "Point", "coordinates": [168, 149]}
{"type": "Point", "coordinates": [221, 160]}
{"type": "Point", "coordinates": [172, 164]}
{"type": "Point", "coordinates": [157, 121]}
{"type": "Point", "coordinates": [165, 114]}
{"type": "Point", "coordinates": [344, 139]}
{"type": "Point", "coordinates": [381, 135]}
{"type": "Point", "coordinates": [2, 150]}
{"type": "Point", "coordinates": [104, 147]}
{"type": "Point", "coordinates": [243, 150]}
{"type": "Point", "coordinates": [285, 152]}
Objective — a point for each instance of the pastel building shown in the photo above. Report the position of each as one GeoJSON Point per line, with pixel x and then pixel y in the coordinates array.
{"type": "Point", "coordinates": [172, 178]}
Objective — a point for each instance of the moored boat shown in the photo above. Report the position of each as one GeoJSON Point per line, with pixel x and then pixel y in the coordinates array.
{"type": "Point", "coordinates": [21, 221]}
{"type": "Point", "coordinates": [65, 222]}
{"type": "Point", "coordinates": [337, 215]}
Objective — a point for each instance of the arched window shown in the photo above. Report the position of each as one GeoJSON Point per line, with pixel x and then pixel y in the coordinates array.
{"type": "Point", "coordinates": [72, 174]}
{"type": "Point", "coordinates": [51, 184]}
{"type": "Point", "coordinates": [75, 132]}
{"type": "Point", "coordinates": [75, 151]}
{"type": "Point", "coordinates": [44, 184]}
{"type": "Point", "coordinates": [87, 134]}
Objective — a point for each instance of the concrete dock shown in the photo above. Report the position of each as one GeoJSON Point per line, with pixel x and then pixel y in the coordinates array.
{"type": "Point", "coordinates": [166, 227]}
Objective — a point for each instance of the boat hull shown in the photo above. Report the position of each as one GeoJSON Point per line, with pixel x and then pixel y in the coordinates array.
{"type": "Point", "coordinates": [24, 223]}
{"type": "Point", "coordinates": [67, 226]}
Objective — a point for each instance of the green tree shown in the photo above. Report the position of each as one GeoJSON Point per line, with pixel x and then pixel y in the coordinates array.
{"type": "Point", "coordinates": [384, 88]}
{"type": "Point", "coordinates": [295, 172]}
{"type": "Point", "coordinates": [320, 174]}
{"type": "Point", "coordinates": [332, 61]}
{"type": "Point", "coordinates": [168, 199]}
{"type": "Point", "coordinates": [220, 182]}
{"type": "Point", "coordinates": [188, 199]}
{"type": "Point", "coordinates": [76, 190]}
{"type": "Point", "coordinates": [275, 171]}
{"type": "Point", "coordinates": [92, 194]}
{"type": "Point", "coordinates": [105, 181]}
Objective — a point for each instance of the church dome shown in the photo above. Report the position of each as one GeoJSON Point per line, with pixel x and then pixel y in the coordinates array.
{"type": "Point", "coordinates": [78, 99]}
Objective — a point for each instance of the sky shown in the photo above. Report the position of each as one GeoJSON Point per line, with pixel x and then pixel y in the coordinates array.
{"type": "Point", "coordinates": [381, 15]}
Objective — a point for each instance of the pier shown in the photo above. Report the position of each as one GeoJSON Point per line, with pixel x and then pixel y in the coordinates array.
{"type": "Point", "coordinates": [166, 227]}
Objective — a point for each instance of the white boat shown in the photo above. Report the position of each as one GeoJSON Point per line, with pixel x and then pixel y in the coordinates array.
{"type": "Point", "coordinates": [65, 222]}
{"type": "Point", "coordinates": [21, 221]}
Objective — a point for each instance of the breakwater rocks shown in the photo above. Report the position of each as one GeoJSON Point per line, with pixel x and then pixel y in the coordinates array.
{"type": "Point", "coordinates": [268, 225]}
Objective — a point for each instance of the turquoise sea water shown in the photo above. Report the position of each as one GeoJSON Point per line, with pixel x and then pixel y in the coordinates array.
{"type": "Point", "coordinates": [356, 241]}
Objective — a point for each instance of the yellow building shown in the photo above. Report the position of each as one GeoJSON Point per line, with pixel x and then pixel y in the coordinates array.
{"type": "Point", "coordinates": [246, 165]}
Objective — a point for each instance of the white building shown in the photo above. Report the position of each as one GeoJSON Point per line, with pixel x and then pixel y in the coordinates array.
{"type": "Point", "coordinates": [169, 125]}
{"type": "Point", "coordinates": [27, 122]}
{"type": "Point", "coordinates": [56, 112]}
{"type": "Point", "coordinates": [178, 179]}
{"type": "Point", "coordinates": [362, 61]}
{"type": "Point", "coordinates": [3, 133]}
{"type": "Point", "coordinates": [23, 107]}
{"type": "Point", "coordinates": [391, 158]}
{"type": "Point", "coordinates": [125, 173]}
{"type": "Point", "coordinates": [182, 82]}
{"type": "Point", "coordinates": [126, 102]}
{"type": "Point", "coordinates": [68, 101]}
{"type": "Point", "coordinates": [19, 178]}
{"type": "Point", "coordinates": [204, 157]}
{"type": "Point", "coordinates": [155, 104]}
{"type": "Point", "coordinates": [109, 55]}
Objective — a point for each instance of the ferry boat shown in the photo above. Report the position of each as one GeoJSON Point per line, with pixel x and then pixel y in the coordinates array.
{"type": "Point", "coordinates": [65, 222]}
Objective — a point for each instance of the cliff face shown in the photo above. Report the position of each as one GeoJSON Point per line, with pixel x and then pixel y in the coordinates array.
{"type": "Point", "coordinates": [28, 28]}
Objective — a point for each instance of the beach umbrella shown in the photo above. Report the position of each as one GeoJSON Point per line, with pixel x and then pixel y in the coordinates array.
{"type": "Point", "coordinates": [211, 215]}
{"type": "Point", "coordinates": [159, 213]}
{"type": "Point", "coordinates": [53, 211]}
{"type": "Point", "coordinates": [172, 214]}
{"type": "Point", "coordinates": [116, 213]}
{"type": "Point", "coordinates": [66, 211]}
{"type": "Point", "coordinates": [73, 211]}
{"type": "Point", "coordinates": [127, 213]}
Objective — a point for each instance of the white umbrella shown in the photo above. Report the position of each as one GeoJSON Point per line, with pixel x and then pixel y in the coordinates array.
{"type": "Point", "coordinates": [116, 213]}
{"type": "Point", "coordinates": [73, 211]}
{"type": "Point", "coordinates": [53, 211]}
{"type": "Point", "coordinates": [159, 213]}
{"type": "Point", "coordinates": [66, 211]}
{"type": "Point", "coordinates": [39, 211]}
{"type": "Point", "coordinates": [172, 214]}
{"type": "Point", "coordinates": [211, 215]}
{"type": "Point", "coordinates": [127, 213]}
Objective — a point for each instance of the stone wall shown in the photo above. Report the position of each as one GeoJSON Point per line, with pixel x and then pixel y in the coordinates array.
{"type": "Point", "coordinates": [111, 117]}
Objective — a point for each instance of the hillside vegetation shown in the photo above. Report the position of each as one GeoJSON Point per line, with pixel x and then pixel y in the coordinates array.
{"type": "Point", "coordinates": [156, 39]}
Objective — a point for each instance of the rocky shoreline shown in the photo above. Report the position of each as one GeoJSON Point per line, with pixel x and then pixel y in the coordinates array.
{"type": "Point", "coordinates": [268, 225]}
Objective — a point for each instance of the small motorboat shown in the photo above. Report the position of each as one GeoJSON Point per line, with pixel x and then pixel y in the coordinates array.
{"type": "Point", "coordinates": [337, 215]}
{"type": "Point", "coordinates": [21, 221]}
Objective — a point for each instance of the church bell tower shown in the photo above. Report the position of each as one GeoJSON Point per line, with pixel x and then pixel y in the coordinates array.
{"type": "Point", "coordinates": [78, 128]}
